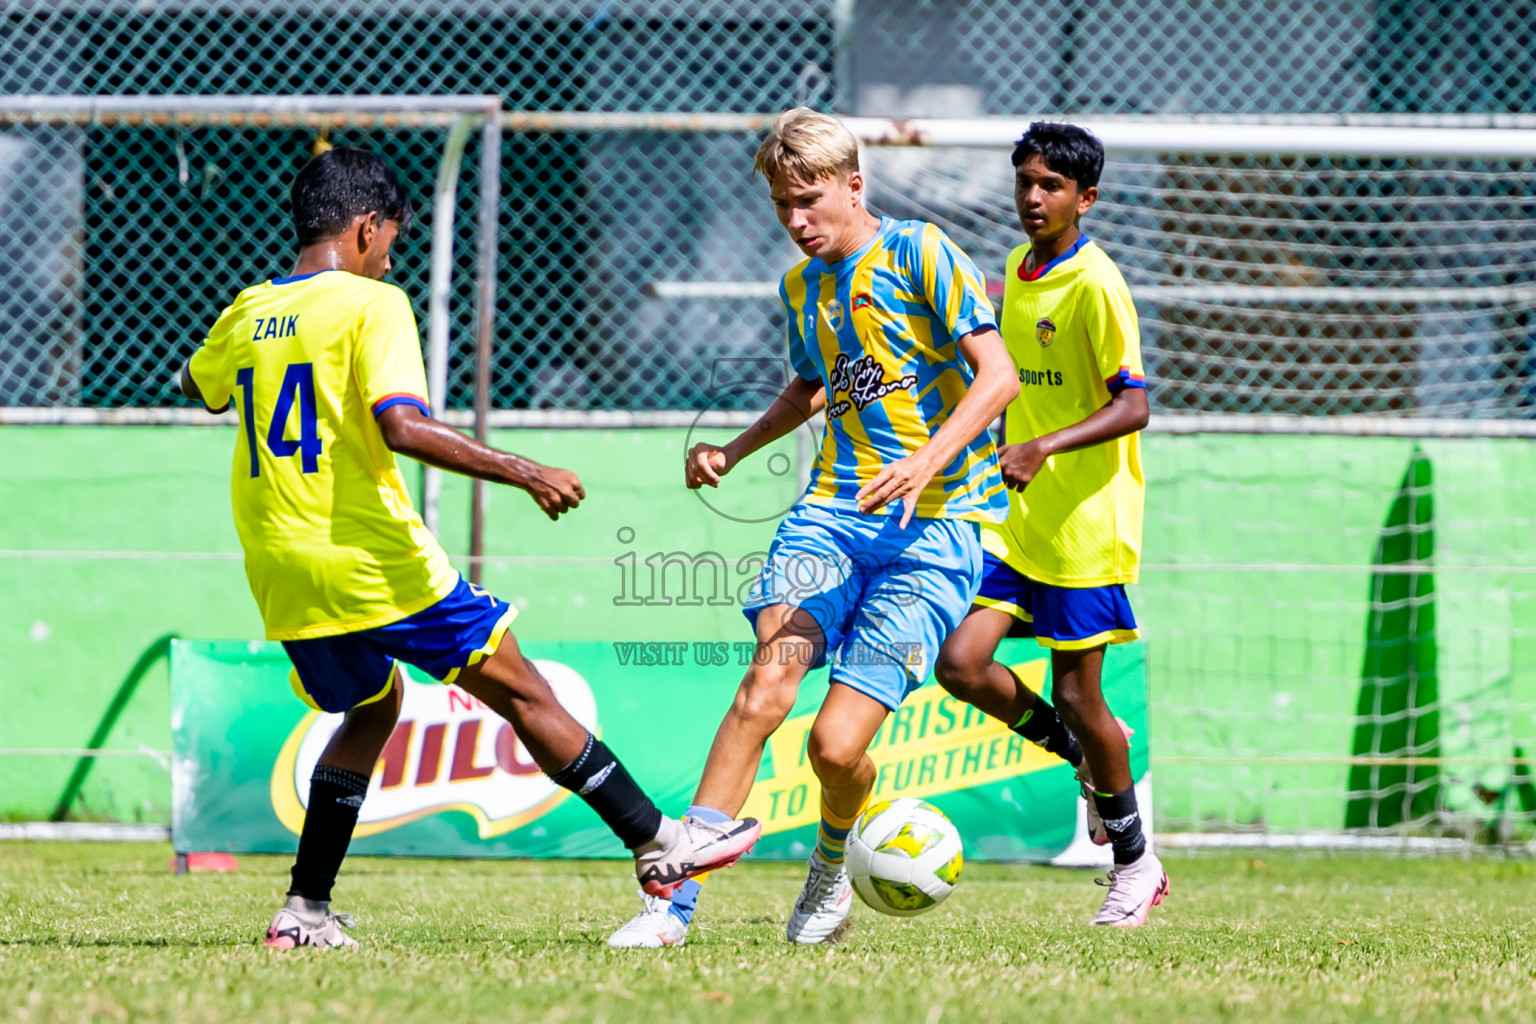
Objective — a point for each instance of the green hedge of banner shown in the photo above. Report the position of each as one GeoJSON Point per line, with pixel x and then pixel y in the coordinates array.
{"type": "Point", "coordinates": [1255, 603]}
{"type": "Point", "coordinates": [455, 781]}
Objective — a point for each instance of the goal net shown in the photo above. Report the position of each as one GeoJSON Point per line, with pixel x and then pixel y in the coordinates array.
{"type": "Point", "coordinates": [1338, 593]}
{"type": "Point", "coordinates": [1288, 281]}
{"type": "Point", "coordinates": [1341, 628]}
{"type": "Point", "coordinates": [132, 220]}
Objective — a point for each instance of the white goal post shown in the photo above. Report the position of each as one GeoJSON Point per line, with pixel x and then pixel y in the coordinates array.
{"type": "Point", "coordinates": [1448, 137]}
{"type": "Point", "coordinates": [461, 116]}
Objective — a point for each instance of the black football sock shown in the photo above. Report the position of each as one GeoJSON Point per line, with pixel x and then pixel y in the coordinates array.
{"type": "Point", "coordinates": [598, 778]}
{"type": "Point", "coordinates": [1122, 821]}
{"type": "Point", "coordinates": [1041, 725]}
{"type": "Point", "coordinates": [335, 797]}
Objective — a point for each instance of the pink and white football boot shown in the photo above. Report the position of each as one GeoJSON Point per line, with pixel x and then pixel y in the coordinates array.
{"type": "Point", "coordinates": [304, 922]}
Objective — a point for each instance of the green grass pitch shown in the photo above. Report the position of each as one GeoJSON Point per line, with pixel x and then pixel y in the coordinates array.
{"type": "Point", "coordinates": [106, 932]}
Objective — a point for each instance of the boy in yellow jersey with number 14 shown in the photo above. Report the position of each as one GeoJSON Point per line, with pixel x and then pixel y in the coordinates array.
{"type": "Point", "coordinates": [1057, 569]}
{"type": "Point", "coordinates": [324, 369]}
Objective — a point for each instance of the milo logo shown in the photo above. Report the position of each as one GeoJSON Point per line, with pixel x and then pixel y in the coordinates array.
{"type": "Point", "coordinates": [448, 752]}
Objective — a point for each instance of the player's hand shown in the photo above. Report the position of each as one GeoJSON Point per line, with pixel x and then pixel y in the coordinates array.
{"type": "Point", "coordinates": [1020, 463]}
{"type": "Point", "coordinates": [902, 480]}
{"type": "Point", "coordinates": [706, 465]}
{"type": "Point", "coordinates": [556, 490]}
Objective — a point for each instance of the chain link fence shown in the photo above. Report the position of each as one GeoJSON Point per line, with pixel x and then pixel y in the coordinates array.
{"type": "Point", "coordinates": [1281, 284]}
{"type": "Point", "coordinates": [1266, 283]}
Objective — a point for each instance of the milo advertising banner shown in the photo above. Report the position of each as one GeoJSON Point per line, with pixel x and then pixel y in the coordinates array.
{"type": "Point", "coordinates": [456, 781]}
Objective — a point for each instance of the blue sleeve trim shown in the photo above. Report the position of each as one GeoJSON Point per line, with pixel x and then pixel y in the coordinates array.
{"type": "Point", "coordinates": [200, 399]}
{"type": "Point", "coordinates": [393, 400]}
{"type": "Point", "coordinates": [1122, 380]}
{"type": "Point", "coordinates": [973, 324]}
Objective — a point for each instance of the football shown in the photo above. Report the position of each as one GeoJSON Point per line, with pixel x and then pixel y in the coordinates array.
{"type": "Point", "coordinates": [904, 856]}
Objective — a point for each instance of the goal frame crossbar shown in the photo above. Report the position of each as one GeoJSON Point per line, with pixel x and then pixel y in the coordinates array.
{"type": "Point", "coordinates": [1423, 428]}
{"type": "Point", "coordinates": [461, 115]}
{"type": "Point", "coordinates": [1444, 137]}
{"type": "Point", "coordinates": [1426, 136]}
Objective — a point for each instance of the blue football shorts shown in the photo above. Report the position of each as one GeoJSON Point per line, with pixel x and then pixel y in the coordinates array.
{"type": "Point", "coordinates": [885, 598]}
{"type": "Point", "coordinates": [1062, 618]}
{"type": "Point", "coordinates": [338, 673]}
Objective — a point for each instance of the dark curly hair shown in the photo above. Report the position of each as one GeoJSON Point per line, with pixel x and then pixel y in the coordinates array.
{"type": "Point", "coordinates": [338, 185]}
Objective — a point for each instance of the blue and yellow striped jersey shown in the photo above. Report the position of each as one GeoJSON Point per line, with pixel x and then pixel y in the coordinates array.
{"type": "Point", "coordinates": [879, 330]}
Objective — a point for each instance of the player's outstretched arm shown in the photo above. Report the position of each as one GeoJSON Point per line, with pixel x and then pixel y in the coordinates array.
{"type": "Point", "coordinates": [190, 389]}
{"type": "Point", "coordinates": [996, 384]}
{"type": "Point", "coordinates": [1124, 413]}
{"type": "Point", "coordinates": [409, 431]}
{"type": "Point", "coordinates": [799, 401]}
{"type": "Point", "coordinates": [188, 385]}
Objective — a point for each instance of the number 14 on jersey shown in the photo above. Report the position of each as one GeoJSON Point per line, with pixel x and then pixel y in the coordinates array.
{"type": "Point", "coordinates": [298, 387]}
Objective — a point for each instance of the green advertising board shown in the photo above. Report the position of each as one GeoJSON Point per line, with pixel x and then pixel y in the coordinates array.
{"type": "Point", "coordinates": [455, 781]}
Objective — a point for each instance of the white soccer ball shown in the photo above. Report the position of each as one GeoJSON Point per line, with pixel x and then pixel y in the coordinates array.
{"type": "Point", "coordinates": [904, 856]}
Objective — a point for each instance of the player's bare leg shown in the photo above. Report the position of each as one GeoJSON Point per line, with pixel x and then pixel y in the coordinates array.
{"type": "Point", "coordinates": [1079, 696]}
{"type": "Point", "coordinates": [1068, 664]}
{"type": "Point", "coordinates": [667, 852]}
{"type": "Point", "coordinates": [837, 748]}
{"type": "Point", "coordinates": [1138, 882]}
{"type": "Point", "coordinates": [356, 746]}
{"type": "Point", "coordinates": [967, 669]}
{"type": "Point", "coordinates": [336, 792]}
{"type": "Point", "coordinates": [789, 642]}
{"type": "Point", "coordinates": [511, 686]}
{"type": "Point", "coordinates": [838, 751]}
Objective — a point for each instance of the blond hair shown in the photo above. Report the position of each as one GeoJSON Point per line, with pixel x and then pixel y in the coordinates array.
{"type": "Point", "coordinates": [806, 146]}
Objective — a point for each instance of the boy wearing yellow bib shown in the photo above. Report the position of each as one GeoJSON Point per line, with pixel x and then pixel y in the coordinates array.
{"type": "Point", "coordinates": [1057, 569]}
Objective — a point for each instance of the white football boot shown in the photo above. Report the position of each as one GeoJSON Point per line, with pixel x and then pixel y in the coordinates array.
{"type": "Point", "coordinates": [1134, 890]}
{"type": "Point", "coordinates": [304, 922]}
{"type": "Point", "coordinates": [823, 905]}
{"type": "Point", "coordinates": [1085, 782]}
{"type": "Point", "coordinates": [654, 927]}
{"type": "Point", "coordinates": [691, 847]}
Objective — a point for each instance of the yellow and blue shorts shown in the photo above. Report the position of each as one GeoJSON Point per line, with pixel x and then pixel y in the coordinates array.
{"type": "Point", "coordinates": [338, 673]}
{"type": "Point", "coordinates": [1062, 618]}
{"type": "Point", "coordinates": [885, 598]}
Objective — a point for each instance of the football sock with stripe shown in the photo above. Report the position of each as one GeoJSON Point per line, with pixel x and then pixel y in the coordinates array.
{"type": "Point", "coordinates": [335, 798]}
{"type": "Point", "coordinates": [598, 778]}
{"type": "Point", "coordinates": [832, 832]}
{"type": "Point", "coordinates": [1042, 726]}
{"type": "Point", "coordinates": [686, 898]}
{"type": "Point", "coordinates": [1122, 822]}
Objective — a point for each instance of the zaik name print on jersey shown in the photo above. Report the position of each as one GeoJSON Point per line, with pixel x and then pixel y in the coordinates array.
{"type": "Point", "coordinates": [275, 327]}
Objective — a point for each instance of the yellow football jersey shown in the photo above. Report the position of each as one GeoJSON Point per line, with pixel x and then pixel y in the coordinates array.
{"type": "Point", "coordinates": [1071, 329]}
{"type": "Point", "coordinates": [332, 543]}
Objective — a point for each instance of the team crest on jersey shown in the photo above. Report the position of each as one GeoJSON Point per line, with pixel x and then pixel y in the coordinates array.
{"type": "Point", "coordinates": [835, 314]}
{"type": "Point", "coordinates": [862, 301]}
{"type": "Point", "coordinates": [1045, 332]}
